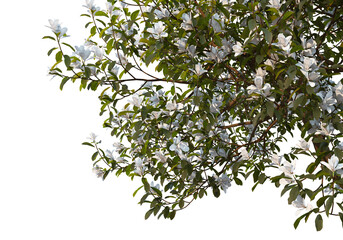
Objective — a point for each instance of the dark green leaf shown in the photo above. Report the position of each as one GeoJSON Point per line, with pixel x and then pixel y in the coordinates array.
{"type": "Point", "coordinates": [319, 222]}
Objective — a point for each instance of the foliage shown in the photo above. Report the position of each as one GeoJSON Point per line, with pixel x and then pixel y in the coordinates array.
{"type": "Point", "coordinates": [201, 94]}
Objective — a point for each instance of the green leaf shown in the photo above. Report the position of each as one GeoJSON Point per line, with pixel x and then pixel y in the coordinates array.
{"type": "Point", "coordinates": [101, 13]}
{"type": "Point", "coordinates": [88, 144]}
{"type": "Point", "coordinates": [135, 192]}
{"type": "Point", "coordinates": [268, 35]}
{"type": "Point", "coordinates": [270, 108]}
{"type": "Point", "coordinates": [319, 222]}
{"type": "Point", "coordinates": [64, 80]}
{"type": "Point", "coordinates": [341, 217]}
{"type": "Point", "coordinates": [67, 60]}
{"type": "Point", "coordinates": [134, 15]}
{"type": "Point", "coordinates": [252, 24]}
{"type": "Point", "coordinates": [287, 15]}
{"type": "Point", "coordinates": [328, 205]}
{"type": "Point", "coordinates": [293, 194]}
{"type": "Point", "coordinates": [296, 223]}
{"type": "Point", "coordinates": [148, 213]}
{"type": "Point", "coordinates": [51, 50]}
{"type": "Point", "coordinates": [95, 155]}
{"type": "Point", "coordinates": [48, 37]}
{"type": "Point", "coordinates": [146, 185]}
{"type": "Point", "coordinates": [58, 56]}
{"type": "Point", "coordinates": [73, 49]}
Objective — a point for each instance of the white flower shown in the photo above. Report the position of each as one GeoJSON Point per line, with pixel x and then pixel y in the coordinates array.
{"type": "Point", "coordinates": [198, 69]}
{"type": "Point", "coordinates": [172, 106]}
{"type": "Point", "coordinates": [339, 92]}
{"type": "Point", "coordinates": [98, 171]}
{"type": "Point", "coordinates": [274, 4]}
{"type": "Point", "coordinates": [328, 102]}
{"type": "Point", "coordinates": [300, 203]}
{"type": "Point", "coordinates": [139, 168]}
{"type": "Point", "coordinates": [258, 88]}
{"type": "Point", "coordinates": [325, 129]}
{"type": "Point", "coordinates": [90, 5]}
{"type": "Point", "coordinates": [163, 13]}
{"type": "Point", "coordinates": [187, 22]}
{"type": "Point", "coordinates": [307, 68]}
{"type": "Point", "coordinates": [92, 137]}
{"type": "Point", "coordinates": [284, 42]}
{"type": "Point", "coordinates": [122, 59]}
{"type": "Point", "coordinates": [136, 101]}
{"type": "Point", "coordinates": [237, 48]}
{"type": "Point", "coordinates": [98, 52]}
{"type": "Point", "coordinates": [288, 168]}
{"type": "Point", "coordinates": [161, 157]}
{"type": "Point", "coordinates": [191, 50]}
{"type": "Point", "coordinates": [178, 146]}
{"type": "Point", "coordinates": [115, 70]}
{"type": "Point", "coordinates": [215, 54]}
{"type": "Point", "coordinates": [157, 30]}
{"type": "Point", "coordinates": [109, 8]}
{"type": "Point", "coordinates": [223, 181]}
{"type": "Point", "coordinates": [109, 154]}
{"type": "Point", "coordinates": [216, 103]}
{"type": "Point", "coordinates": [56, 27]}
{"type": "Point", "coordinates": [303, 145]}
{"type": "Point", "coordinates": [270, 63]}
{"type": "Point", "coordinates": [152, 185]}
{"type": "Point", "coordinates": [181, 44]}
{"type": "Point", "coordinates": [244, 154]}
{"type": "Point", "coordinates": [333, 165]}
{"type": "Point", "coordinates": [309, 47]}
{"type": "Point", "coordinates": [276, 159]}
{"type": "Point", "coordinates": [82, 52]}
{"type": "Point", "coordinates": [118, 146]}
{"type": "Point", "coordinates": [217, 22]}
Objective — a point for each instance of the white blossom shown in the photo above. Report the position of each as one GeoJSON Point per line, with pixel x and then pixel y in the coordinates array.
{"type": "Point", "coordinates": [309, 47]}
{"type": "Point", "coordinates": [157, 31]}
{"type": "Point", "coordinates": [56, 27]}
{"type": "Point", "coordinates": [223, 181]}
{"type": "Point", "coordinates": [325, 129]}
{"type": "Point", "coordinates": [91, 6]}
{"type": "Point", "coordinates": [179, 146]}
{"type": "Point", "coordinates": [333, 165]}
{"type": "Point", "coordinates": [187, 22]}
{"type": "Point", "coordinates": [217, 22]}
{"type": "Point", "coordinates": [276, 159]}
{"type": "Point", "coordinates": [274, 4]}
{"type": "Point", "coordinates": [198, 69]}
{"type": "Point", "coordinates": [98, 171]}
{"type": "Point", "coordinates": [301, 205]}
{"type": "Point", "coordinates": [82, 52]}
{"type": "Point", "coordinates": [92, 137]}
{"type": "Point", "coordinates": [303, 145]}
{"type": "Point", "coordinates": [288, 168]}
{"type": "Point", "coordinates": [328, 101]}
{"type": "Point", "coordinates": [98, 52]}
{"type": "Point", "coordinates": [136, 101]}
{"type": "Point", "coordinates": [244, 153]}
{"type": "Point", "coordinates": [284, 42]}
{"type": "Point", "coordinates": [339, 92]}
{"type": "Point", "coordinates": [152, 185]}
{"type": "Point", "coordinates": [139, 166]}
{"type": "Point", "coordinates": [161, 157]}
{"type": "Point", "coordinates": [163, 13]}
{"type": "Point", "coordinates": [237, 48]}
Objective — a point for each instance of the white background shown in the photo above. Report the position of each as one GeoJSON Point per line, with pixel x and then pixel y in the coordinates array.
{"type": "Point", "coordinates": [47, 188]}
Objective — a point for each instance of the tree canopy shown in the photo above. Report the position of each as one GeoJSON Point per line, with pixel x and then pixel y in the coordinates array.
{"type": "Point", "coordinates": [201, 94]}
